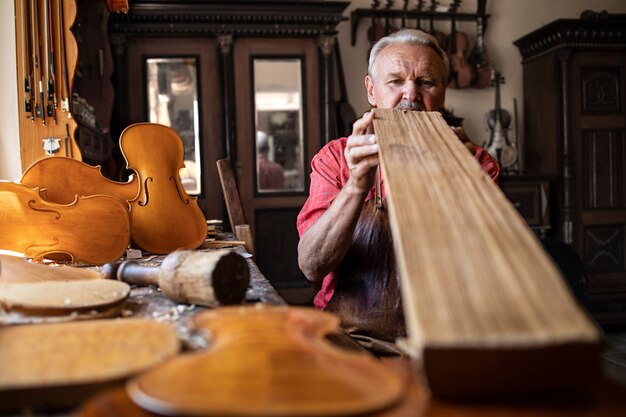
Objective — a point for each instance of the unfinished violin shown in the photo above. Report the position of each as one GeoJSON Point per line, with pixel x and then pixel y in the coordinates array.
{"type": "Point", "coordinates": [94, 229]}
{"type": "Point", "coordinates": [270, 361]}
{"type": "Point", "coordinates": [65, 178]}
{"type": "Point", "coordinates": [163, 216]}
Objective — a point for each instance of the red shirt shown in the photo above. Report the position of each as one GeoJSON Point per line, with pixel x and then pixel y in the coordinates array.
{"type": "Point", "coordinates": [329, 173]}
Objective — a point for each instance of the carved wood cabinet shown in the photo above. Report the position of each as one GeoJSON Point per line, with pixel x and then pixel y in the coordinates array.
{"type": "Point", "coordinates": [575, 130]}
{"type": "Point", "coordinates": [263, 71]}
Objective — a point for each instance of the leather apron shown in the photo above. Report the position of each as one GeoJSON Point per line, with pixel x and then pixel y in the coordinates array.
{"type": "Point", "coordinates": [367, 295]}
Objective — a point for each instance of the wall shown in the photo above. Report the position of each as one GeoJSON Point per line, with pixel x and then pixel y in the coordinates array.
{"type": "Point", "coordinates": [509, 21]}
{"type": "Point", "coordinates": [10, 168]}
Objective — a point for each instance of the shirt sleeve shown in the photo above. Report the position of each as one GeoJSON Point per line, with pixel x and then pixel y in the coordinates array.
{"type": "Point", "coordinates": [327, 179]}
{"type": "Point", "coordinates": [488, 162]}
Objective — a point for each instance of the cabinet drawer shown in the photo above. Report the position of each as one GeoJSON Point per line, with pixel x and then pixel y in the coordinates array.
{"type": "Point", "coordinates": [530, 198]}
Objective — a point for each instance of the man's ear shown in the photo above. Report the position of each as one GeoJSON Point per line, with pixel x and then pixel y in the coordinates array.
{"type": "Point", "coordinates": [369, 86]}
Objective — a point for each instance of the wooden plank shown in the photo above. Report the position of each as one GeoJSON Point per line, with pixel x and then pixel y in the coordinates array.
{"type": "Point", "coordinates": [486, 309]}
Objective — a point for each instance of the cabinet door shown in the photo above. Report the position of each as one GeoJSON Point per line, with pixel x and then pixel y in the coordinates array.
{"type": "Point", "coordinates": [598, 91]}
{"type": "Point", "coordinates": [278, 132]}
{"type": "Point", "coordinates": [175, 81]}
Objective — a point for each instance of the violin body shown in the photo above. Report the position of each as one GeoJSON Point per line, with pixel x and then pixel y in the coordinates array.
{"type": "Point", "coordinates": [163, 217]}
{"type": "Point", "coordinates": [94, 229]}
{"type": "Point", "coordinates": [65, 178]}
{"type": "Point", "coordinates": [270, 361]}
{"type": "Point", "coordinates": [461, 72]}
{"type": "Point", "coordinates": [480, 59]}
{"type": "Point", "coordinates": [498, 122]}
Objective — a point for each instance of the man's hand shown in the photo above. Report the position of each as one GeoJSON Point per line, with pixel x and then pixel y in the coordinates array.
{"type": "Point", "coordinates": [460, 132]}
{"type": "Point", "coordinates": [361, 154]}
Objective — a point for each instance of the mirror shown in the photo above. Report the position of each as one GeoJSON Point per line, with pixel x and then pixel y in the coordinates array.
{"type": "Point", "coordinates": [173, 101]}
{"type": "Point", "coordinates": [279, 124]}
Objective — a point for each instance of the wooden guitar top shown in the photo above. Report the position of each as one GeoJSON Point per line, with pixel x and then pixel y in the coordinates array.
{"type": "Point", "coordinates": [270, 361]}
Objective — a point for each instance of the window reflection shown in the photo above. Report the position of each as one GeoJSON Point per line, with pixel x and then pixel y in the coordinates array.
{"type": "Point", "coordinates": [279, 130]}
{"type": "Point", "coordinates": [173, 102]}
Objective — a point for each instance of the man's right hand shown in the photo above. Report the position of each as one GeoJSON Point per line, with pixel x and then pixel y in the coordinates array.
{"type": "Point", "coordinates": [361, 154]}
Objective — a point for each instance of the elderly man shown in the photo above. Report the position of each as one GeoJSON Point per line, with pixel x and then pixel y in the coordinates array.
{"type": "Point", "coordinates": [345, 244]}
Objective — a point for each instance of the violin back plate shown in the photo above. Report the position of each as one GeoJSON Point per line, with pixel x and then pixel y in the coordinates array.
{"type": "Point", "coordinates": [163, 216]}
{"type": "Point", "coordinates": [94, 229]}
{"type": "Point", "coordinates": [66, 362]}
{"type": "Point", "coordinates": [271, 361]}
{"type": "Point", "coordinates": [63, 296]}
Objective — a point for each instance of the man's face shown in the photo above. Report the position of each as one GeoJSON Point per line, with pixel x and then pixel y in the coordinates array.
{"type": "Point", "coordinates": [407, 77]}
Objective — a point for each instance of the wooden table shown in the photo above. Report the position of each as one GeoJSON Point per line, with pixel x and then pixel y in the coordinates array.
{"type": "Point", "coordinates": [604, 399]}
{"type": "Point", "coordinates": [145, 302]}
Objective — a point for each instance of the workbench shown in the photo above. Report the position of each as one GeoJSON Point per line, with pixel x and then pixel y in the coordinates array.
{"type": "Point", "coordinates": [604, 398]}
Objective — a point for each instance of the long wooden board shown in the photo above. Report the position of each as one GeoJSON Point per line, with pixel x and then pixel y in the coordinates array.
{"type": "Point", "coordinates": [487, 311]}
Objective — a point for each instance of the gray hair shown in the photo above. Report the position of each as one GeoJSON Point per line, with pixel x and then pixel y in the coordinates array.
{"type": "Point", "coordinates": [411, 37]}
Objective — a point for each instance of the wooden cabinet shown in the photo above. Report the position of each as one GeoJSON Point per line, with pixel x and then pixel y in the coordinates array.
{"type": "Point", "coordinates": [531, 197]}
{"type": "Point", "coordinates": [575, 130]}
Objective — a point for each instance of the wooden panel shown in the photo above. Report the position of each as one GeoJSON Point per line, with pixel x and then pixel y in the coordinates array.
{"type": "Point", "coordinates": [541, 93]}
{"type": "Point", "coordinates": [604, 247]}
{"type": "Point", "coordinates": [603, 169]}
{"type": "Point", "coordinates": [45, 121]}
{"type": "Point", "coordinates": [446, 214]}
{"type": "Point", "coordinates": [601, 90]}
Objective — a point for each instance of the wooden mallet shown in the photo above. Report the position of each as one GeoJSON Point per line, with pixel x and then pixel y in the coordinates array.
{"type": "Point", "coordinates": [204, 278]}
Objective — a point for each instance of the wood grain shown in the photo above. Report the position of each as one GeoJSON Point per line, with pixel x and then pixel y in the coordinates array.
{"type": "Point", "coordinates": [33, 132]}
{"type": "Point", "coordinates": [486, 309]}
{"type": "Point", "coordinates": [604, 399]}
{"type": "Point", "coordinates": [94, 229]}
{"type": "Point", "coordinates": [65, 178]}
{"type": "Point", "coordinates": [63, 296]}
{"type": "Point", "coordinates": [270, 361]}
{"type": "Point", "coordinates": [15, 269]}
{"type": "Point", "coordinates": [66, 359]}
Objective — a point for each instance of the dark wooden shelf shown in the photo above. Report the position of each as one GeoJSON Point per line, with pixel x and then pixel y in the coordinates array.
{"type": "Point", "coordinates": [424, 16]}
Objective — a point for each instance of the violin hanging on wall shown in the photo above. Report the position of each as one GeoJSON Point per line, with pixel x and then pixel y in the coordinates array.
{"type": "Point", "coordinates": [479, 59]}
{"type": "Point", "coordinates": [461, 72]}
{"type": "Point", "coordinates": [498, 123]}
{"type": "Point", "coordinates": [47, 54]}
